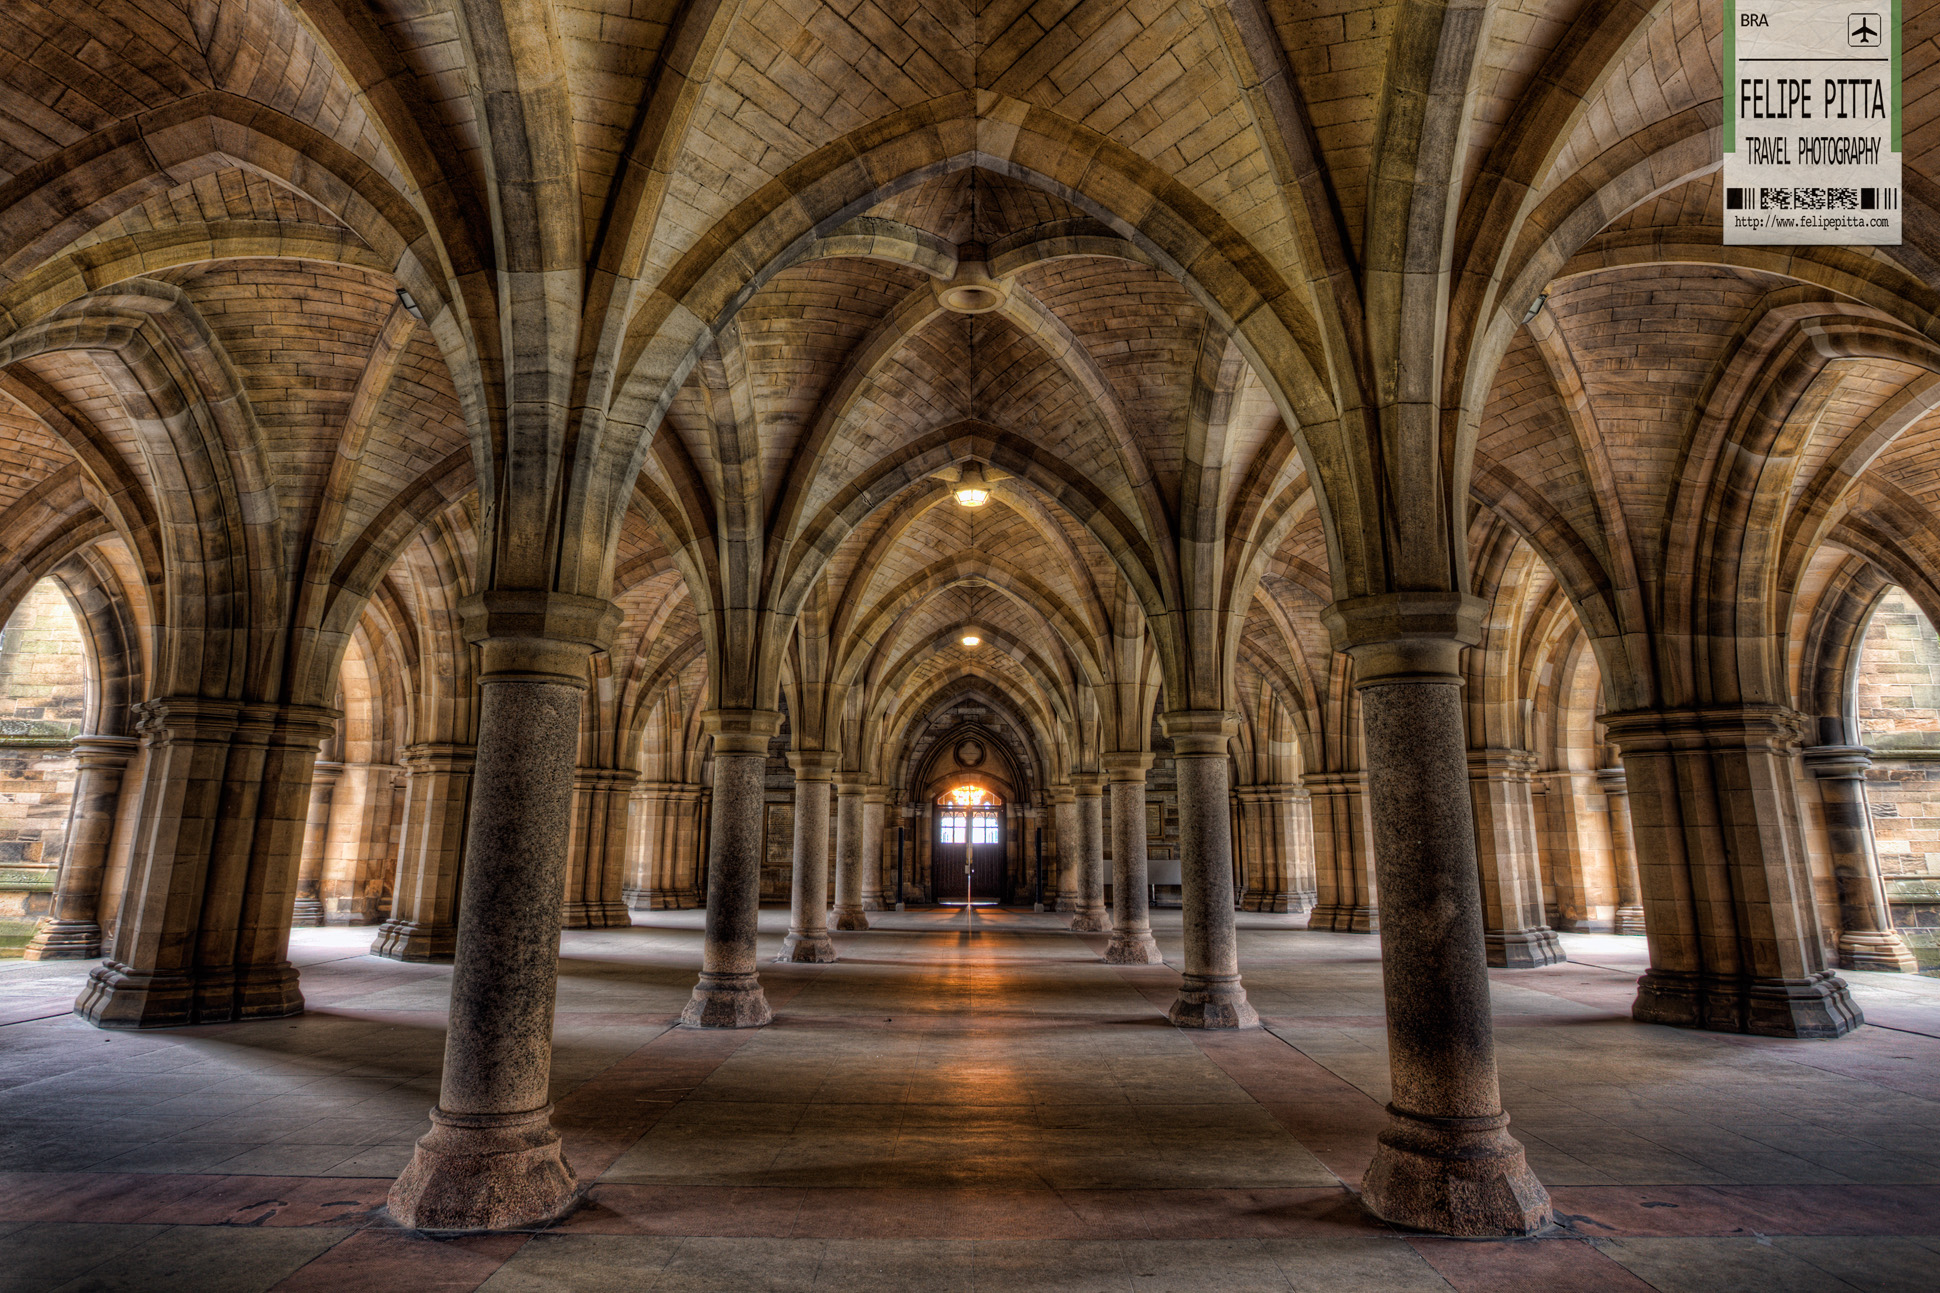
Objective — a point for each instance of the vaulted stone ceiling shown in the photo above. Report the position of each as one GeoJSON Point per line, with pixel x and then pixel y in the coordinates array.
{"type": "Point", "coordinates": [1175, 211]}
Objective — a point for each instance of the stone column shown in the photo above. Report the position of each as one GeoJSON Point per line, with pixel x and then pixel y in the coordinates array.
{"type": "Point", "coordinates": [308, 912]}
{"type": "Point", "coordinates": [596, 853]}
{"type": "Point", "coordinates": [642, 845]}
{"type": "Point", "coordinates": [1446, 1161]}
{"type": "Point", "coordinates": [1515, 928]}
{"type": "Point", "coordinates": [848, 911]}
{"type": "Point", "coordinates": [1070, 848]}
{"type": "Point", "coordinates": [424, 904]}
{"type": "Point", "coordinates": [1091, 916]}
{"type": "Point", "coordinates": [1131, 931]}
{"type": "Point", "coordinates": [1211, 995]}
{"type": "Point", "coordinates": [729, 993]}
{"type": "Point", "coordinates": [72, 931]}
{"type": "Point", "coordinates": [808, 938]}
{"type": "Point", "coordinates": [875, 801]}
{"type": "Point", "coordinates": [1623, 851]}
{"type": "Point", "coordinates": [492, 1160]}
{"type": "Point", "coordinates": [1735, 942]}
{"type": "Point", "coordinates": [205, 919]}
{"type": "Point", "coordinates": [1275, 856]}
{"type": "Point", "coordinates": [1344, 897]}
{"type": "Point", "coordinates": [1867, 940]}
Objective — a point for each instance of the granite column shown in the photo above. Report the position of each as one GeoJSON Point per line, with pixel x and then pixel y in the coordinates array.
{"type": "Point", "coordinates": [848, 913]}
{"type": "Point", "coordinates": [1212, 995]}
{"type": "Point", "coordinates": [492, 1160]}
{"type": "Point", "coordinates": [874, 805]}
{"type": "Point", "coordinates": [1131, 927]}
{"type": "Point", "coordinates": [1446, 1161]}
{"type": "Point", "coordinates": [808, 926]}
{"type": "Point", "coordinates": [1091, 916]}
{"type": "Point", "coordinates": [729, 993]}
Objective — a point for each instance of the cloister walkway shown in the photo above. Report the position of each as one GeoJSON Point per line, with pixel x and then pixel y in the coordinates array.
{"type": "Point", "coordinates": [962, 1103]}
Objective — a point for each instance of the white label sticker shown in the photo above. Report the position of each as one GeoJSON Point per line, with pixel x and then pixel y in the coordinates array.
{"type": "Point", "coordinates": [1812, 122]}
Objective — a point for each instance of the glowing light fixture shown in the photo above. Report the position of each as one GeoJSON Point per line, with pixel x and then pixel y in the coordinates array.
{"type": "Point", "coordinates": [972, 489]}
{"type": "Point", "coordinates": [971, 639]}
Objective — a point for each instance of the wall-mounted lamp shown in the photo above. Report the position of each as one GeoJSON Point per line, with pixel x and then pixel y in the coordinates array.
{"type": "Point", "coordinates": [1535, 307]}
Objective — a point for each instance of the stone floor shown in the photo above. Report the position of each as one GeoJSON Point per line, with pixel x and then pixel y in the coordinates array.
{"type": "Point", "coordinates": [963, 1103]}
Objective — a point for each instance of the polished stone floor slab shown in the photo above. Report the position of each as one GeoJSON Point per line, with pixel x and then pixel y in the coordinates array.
{"type": "Point", "coordinates": [962, 1102]}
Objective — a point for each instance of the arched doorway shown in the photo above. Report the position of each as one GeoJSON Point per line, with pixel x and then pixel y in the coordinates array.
{"type": "Point", "coordinates": [967, 860]}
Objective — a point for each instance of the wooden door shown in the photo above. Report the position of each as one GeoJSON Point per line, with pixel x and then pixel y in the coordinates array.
{"type": "Point", "coordinates": [972, 840]}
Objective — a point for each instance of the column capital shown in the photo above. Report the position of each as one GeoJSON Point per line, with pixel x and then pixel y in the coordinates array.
{"type": "Point", "coordinates": [1501, 761]}
{"type": "Point", "coordinates": [1837, 762]}
{"type": "Point", "coordinates": [1088, 783]}
{"type": "Point", "coordinates": [1612, 781]}
{"type": "Point", "coordinates": [741, 731]}
{"type": "Point", "coordinates": [1707, 727]}
{"type": "Point", "coordinates": [814, 765]}
{"type": "Point", "coordinates": [1061, 794]}
{"type": "Point", "coordinates": [1402, 637]}
{"type": "Point", "coordinates": [1199, 733]}
{"type": "Point", "coordinates": [96, 751]}
{"type": "Point", "coordinates": [875, 794]}
{"type": "Point", "coordinates": [846, 786]}
{"type": "Point", "coordinates": [537, 636]}
{"type": "Point", "coordinates": [605, 778]}
{"type": "Point", "coordinates": [1127, 765]}
{"type": "Point", "coordinates": [438, 756]}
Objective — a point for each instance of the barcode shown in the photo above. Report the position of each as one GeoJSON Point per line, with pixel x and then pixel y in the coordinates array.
{"type": "Point", "coordinates": [1811, 199]}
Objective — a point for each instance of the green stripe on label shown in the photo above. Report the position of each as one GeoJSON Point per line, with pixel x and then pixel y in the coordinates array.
{"type": "Point", "coordinates": [1731, 75]}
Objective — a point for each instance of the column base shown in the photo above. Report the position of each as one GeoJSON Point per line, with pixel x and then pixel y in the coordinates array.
{"type": "Point", "coordinates": [64, 940]}
{"type": "Point", "coordinates": [807, 949]}
{"type": "Point", "coordinates": [1523, 949]}
{"type": "Point", "coordinates": [407, 940]}
{"type": "Point", "coordinates": [594, 915]}
{"type": "Point", "coordinates": [727, 1001]}
{"type": "Point", "coordinates": [1091, 922]}
{"type": "Point", "coordinates": [1342, 918]}
{"type": "Point", "coordinates": [1630, 920]}
{"type": "Point", "coordinates": [1454, 1176]}
{"type": "Point", "coordinates": [1817, 1008]}
{"type": "Point", "coordinates": [116, 996]}
{"type": "Point", "coordinates": [848, 920]}
{"type": "Point", "coordinates": [484, 1172]}
{"type": "Point", "coordinates": [309, 914]}
{"type": "Point", "coordinates": [1205, 1002]}
{"type": "Point", "coordinates": [874, 902]}
{"type": "Point", "coordinates": [1067, 904]}
{"type": "Point", "coordinates": [1878, 950]}
{"type": "Point", "coordinates": [1133, 947]}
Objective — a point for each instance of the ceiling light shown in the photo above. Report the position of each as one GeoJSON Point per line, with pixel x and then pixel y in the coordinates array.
{"type": "Point", "coordinates": [1535, 307]}
{"type": "Point", "coordinates": [971, 639]}
{"type": "Point", "coordinates": [972, 490]}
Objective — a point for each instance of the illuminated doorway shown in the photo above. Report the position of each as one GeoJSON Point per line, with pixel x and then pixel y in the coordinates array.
{"type": "Point", "coordinates": [967, 855]}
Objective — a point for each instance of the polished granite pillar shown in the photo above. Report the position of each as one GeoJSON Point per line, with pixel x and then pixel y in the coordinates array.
{"type": "Point", "coordinates": [808, 924]}
{"type": "Point", "coordinates": [848, 912]}
{"type": "Point", "coordinates": [874, 811]}
{"type": "Point", "coordinates": [492, 1160]}
{"type": "Point", "coordinates": [729, 993]}
{"type": "Point", "coordinates": [1446, 1161]}
{"type": "Point", "coordinates": [1070, 846]}
{"type": "Point", "coordinates": [1211, 995]}
{"type": "Point", "coordinates": [1131, 920]}
{"type": "Point", "coordinates": [1091, 916]}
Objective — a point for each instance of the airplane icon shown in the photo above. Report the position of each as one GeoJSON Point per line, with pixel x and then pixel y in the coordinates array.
{"type": "Point", "coordinates": [1862, 29]}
